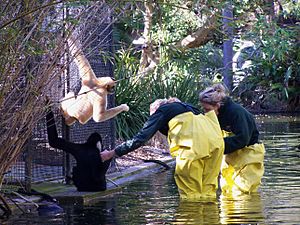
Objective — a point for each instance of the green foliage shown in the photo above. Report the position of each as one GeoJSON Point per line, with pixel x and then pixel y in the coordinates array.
{"type": "Point", "coordinates": [279, 65]}
{"type": "Point", "coordinates": [179, 74]}
{"type": "Point", "coordinates": [275, 70]}
{"type": "Point", "coordinates": [139, 93]}
{"type": "Point", "coordinates": [174, 22]}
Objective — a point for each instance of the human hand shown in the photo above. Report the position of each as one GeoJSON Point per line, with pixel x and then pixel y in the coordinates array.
{"type": "Point", "coordinates": [107, 155]}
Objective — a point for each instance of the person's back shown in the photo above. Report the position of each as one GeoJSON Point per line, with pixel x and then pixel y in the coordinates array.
{"type": "Point", "coordinates": [236, 119]}
{"type": "Point", "coordinates": [157, 121]}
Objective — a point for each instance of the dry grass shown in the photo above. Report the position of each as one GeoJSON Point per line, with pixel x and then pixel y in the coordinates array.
{"type": "Point", "coordinates": [34, 62]}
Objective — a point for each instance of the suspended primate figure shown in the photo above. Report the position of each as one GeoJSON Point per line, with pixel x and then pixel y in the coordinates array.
{"type": "Point", "coordinates": [91, 100]}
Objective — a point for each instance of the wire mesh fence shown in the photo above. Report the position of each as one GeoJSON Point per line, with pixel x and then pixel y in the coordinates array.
{"type": "Point", "coordinates": [51, 70]}
{"type": "Point", "coordinates": [40, 162]}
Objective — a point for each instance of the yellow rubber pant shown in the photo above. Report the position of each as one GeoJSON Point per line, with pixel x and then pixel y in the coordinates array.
{"type": "Point", "coordinates": [197, 143]}
{"type": "Point", "coordinates": [243, 169]}
{"type": "Point", "coordinates": [198, 179]}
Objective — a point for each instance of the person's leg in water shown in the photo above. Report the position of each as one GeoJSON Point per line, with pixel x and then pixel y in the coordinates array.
{"type": "Point", "coordinates": [243, 169]}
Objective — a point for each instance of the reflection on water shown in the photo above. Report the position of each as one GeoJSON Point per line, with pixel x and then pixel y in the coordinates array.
{"type": "Point", "coordinates": [197, 213]}
{"type": "Point", "coordinates": [241, 209]}
{"type": "Point", "coordinates": [154, 200]}
{"type": "Point", "coordinates": [281, 182]}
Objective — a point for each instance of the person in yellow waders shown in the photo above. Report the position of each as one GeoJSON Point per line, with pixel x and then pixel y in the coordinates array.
{"type": "Point", "coordinates": [195, 141]}
{"type": "Point", "coordinates": [242, 166]}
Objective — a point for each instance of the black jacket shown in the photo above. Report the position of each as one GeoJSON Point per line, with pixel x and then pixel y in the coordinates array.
{"type": "Point", "coordinates": [89, 172]}
{"type": "Point", "coordinates": [236, 119]}
{"type": "Point", "coordinates": [158, 121]}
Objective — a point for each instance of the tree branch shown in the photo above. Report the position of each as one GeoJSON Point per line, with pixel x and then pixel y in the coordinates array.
{"type": "Point", "coordinates": [200, 37]}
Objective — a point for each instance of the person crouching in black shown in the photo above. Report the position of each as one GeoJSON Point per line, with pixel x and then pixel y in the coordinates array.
{"type": "Point", "coordinates": [89, 172]}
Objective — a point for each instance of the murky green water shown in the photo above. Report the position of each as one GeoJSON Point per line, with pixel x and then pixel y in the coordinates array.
{"type": "Point", "coordinates": [154, 200]}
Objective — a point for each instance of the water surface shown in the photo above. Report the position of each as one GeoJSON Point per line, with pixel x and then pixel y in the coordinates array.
{"type": "Point", "coordinates": [154, 199]}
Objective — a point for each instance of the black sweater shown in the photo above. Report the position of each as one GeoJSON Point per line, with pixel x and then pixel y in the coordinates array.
{"type": "Point", "coordinates": [158, 121]}
{"type": "Point", "coordinates": [236, 119]}
{"type": "Point", "coordinates": [89, 174]}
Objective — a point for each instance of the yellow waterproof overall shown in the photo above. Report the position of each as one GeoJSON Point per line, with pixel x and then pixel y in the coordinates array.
{"type": "Point", "coordinates": [243, 169]}
{"type": "Point", "coordinates": [196, 141]}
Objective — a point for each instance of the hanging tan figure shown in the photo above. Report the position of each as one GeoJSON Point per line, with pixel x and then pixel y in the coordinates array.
{"type": "Point", "coordinates": [91, 100]}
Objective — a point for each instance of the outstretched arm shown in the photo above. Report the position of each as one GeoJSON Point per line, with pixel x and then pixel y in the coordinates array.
{"type": "Point", "coordinates": [100, 113]}
{"type": "Point", "coordinates": [86, 72]}
{"type": "Point", "coordinates": [53, 139]}
{"type": "Point", "coordinates": [154, 123]}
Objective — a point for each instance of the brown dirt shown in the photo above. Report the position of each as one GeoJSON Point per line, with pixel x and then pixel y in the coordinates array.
{"type": "Point", "coordinates": [139, 155]}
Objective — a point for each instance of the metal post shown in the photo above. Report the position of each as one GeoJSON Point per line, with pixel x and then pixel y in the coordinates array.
{"type": "Point", "coordinates": [28, 166]}
{"type": "Point", "coordinates": [65, 128]}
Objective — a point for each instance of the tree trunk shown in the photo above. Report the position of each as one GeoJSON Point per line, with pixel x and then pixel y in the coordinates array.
{"type": "Point", "coordinates": [150, 57]}
{"type": "Point", "coordinates": [228, 45]}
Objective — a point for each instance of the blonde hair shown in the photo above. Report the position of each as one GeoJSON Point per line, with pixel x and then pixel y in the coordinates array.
{"type": "Point", "coordinates": [158, 102]}
{"type": "Point", "coordinates": [213, 95]}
